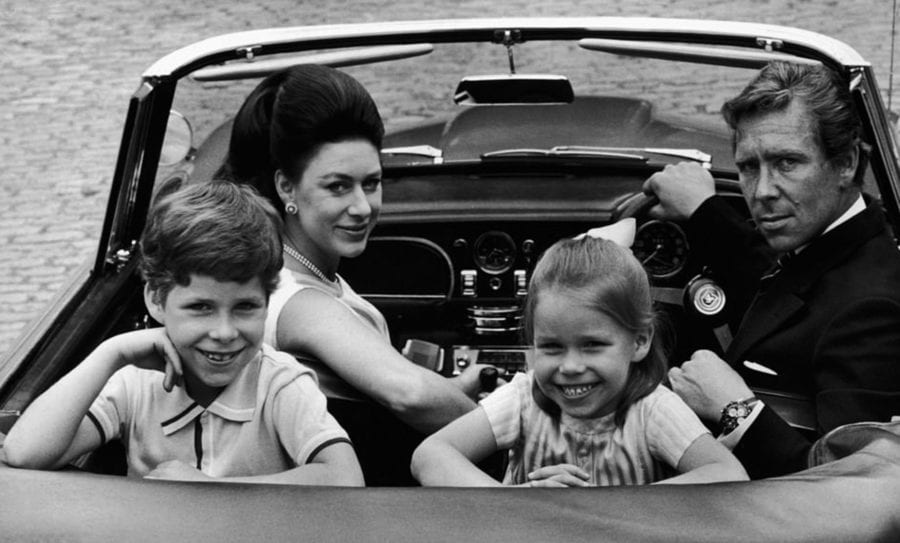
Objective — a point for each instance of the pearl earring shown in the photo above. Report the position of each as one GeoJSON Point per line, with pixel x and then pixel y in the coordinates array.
{"type": "Point", "coordinates": [291, 208]}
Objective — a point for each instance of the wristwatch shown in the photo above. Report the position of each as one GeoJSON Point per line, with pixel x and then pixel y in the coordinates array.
{"type": "Point", "coordinates": [734, 412]}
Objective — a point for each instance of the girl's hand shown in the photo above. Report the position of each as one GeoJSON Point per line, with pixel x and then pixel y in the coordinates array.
{"type": "Point", "coordinates": [149, 349]}
{"type": "Point", "coordinates": [560, 475]}
{"type": "Point", "coordinates": [177, 470]}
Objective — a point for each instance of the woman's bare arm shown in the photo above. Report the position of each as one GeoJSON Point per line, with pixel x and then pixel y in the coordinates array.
{"type": "Point", "coordinates": [315, 323]}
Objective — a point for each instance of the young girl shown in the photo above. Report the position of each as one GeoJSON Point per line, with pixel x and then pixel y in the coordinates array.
{"type": "Point", "coordinates": [592, 411]}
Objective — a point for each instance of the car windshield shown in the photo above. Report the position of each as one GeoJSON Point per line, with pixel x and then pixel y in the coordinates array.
{"type": "Point", "coordinates": [647, 91]}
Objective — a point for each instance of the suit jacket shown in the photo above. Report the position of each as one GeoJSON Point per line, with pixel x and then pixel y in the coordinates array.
{"type": "Point", "coordinates": [828, 325]}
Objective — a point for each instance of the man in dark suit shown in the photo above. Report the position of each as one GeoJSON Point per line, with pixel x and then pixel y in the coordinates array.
{"type": "Point", "coordinates": [824, 325]}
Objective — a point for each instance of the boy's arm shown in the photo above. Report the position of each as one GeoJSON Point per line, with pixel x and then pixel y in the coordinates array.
{"type": "Point", "coordinates": [53, 430]}
{"type": "Point", "coordinates": [335, 465]}
{"type": "Point", "coordinates": [707, 461]}
{"type": "Point", "coordinates": [448, 457]}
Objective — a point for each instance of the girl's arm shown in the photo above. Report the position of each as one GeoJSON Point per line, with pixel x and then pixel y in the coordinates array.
{"type": "Point", "coordinates": [448, 457]}
{"type": "Point", "coordinates": [54, 430]}
{"type": "Point", "coordinates": [335, 465]}
{"type": "Point", "coordinates": [707, 461]}
{"type": "Point", "coordinates": [313, 322]}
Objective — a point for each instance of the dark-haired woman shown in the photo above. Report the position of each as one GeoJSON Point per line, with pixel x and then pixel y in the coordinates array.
{"type": "Point", "coordinates": [308, 138]}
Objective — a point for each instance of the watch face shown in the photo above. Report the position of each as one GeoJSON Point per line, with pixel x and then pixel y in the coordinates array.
{"type": "Point", "coordinates": [738, 410]}
{"type": "Point", "coordinates": [734, 413]}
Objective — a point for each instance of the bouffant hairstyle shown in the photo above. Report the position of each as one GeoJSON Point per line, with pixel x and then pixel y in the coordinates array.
{"type": "Point", "coordinates": [217, 229]}
{"type": "Point", "coordinates": [609, 278]}
{"type": "Point", "coordinates": [289, 116]}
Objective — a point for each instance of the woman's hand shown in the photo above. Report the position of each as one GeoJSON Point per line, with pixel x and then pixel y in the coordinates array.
{"type": "Point", "coordinates": [558, 476]}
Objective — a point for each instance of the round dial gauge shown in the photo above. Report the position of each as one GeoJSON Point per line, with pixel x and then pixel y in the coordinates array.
{"type": "Point", "coordinates": [494, 252]}
{"type": "Point", "coordinates": [662, 248]}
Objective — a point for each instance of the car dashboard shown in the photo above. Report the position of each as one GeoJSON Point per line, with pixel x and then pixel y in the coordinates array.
{"type": "Point", "coordinates": [450, 259]}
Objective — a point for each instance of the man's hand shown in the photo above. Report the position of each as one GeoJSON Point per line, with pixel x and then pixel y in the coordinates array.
{"type": "Point", "coordinates": [149, 349]}
{"type": "Point", "coordinates": [177, 470]}
{"type": "Point", "coordinates": [560, 475]}
{"type": "Point", "coordinates": [681, 188]}
{"type": "Point", "coordinates": [707, 383]}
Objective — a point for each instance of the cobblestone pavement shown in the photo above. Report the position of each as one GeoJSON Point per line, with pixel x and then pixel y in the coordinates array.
{"type": "Point", "coordinates": [68, 69]}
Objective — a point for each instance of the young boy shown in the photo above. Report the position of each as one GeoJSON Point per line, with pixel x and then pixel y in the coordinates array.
{"type": "Point", "coordinates": [201, 398]}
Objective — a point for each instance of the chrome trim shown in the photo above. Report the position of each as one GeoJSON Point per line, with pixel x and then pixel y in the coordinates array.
{"type": "Point", "coordinates": [691, 53]}
{"type": "Point", "coordinates": [252, 68]}
{"type": "Point", "coordinates": [468, 280]}
{"type": "Point", "coordinates": [422, 297]}
{"type": "Point", "coordinates": [430, 244]}
{"type": "Point", "coordinates": [428, 151]}
{"type": "Point", "coordinates": [263, 42]}
{"type": "Point", "coordinates": [884, 140]}
{"type": "Point", "coordinates": [691, 154]}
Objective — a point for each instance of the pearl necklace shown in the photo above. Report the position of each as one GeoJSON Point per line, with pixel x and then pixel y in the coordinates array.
{"type": "Point", "coordinates": [290, 251]}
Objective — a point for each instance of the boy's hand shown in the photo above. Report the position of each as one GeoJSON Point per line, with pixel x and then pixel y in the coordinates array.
{"type": "Point", "coordinates": [149, 349]}
{"type": "Point", "coordinates": [560, 475]}
{"type": "Point", "coordinates": [178, 471]}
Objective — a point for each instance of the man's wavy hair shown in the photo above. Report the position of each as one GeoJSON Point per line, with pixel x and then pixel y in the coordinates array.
{"type": "Point", "coordinates": [824, 92]}
{"type": "Point", "coordinates": [609, 278]}
{"type": "Point", "coordinates": [217, 229]}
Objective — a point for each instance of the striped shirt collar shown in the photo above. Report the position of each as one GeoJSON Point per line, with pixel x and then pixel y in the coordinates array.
{"type": "Point", "coordinates": [236, 403]}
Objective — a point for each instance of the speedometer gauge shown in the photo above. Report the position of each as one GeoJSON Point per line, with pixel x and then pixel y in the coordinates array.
{"type": "Point", "coordinates": [662, 248]}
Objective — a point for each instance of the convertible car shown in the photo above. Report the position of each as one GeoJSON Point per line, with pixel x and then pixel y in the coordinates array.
{"type": "Point", "coordinates": [504, 135]}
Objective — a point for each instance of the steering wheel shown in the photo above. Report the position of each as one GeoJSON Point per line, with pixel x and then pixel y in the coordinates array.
{"type": "Point", "coordinates": [700, 295]}
{"type": "Point", "coordinates": [637, 205]}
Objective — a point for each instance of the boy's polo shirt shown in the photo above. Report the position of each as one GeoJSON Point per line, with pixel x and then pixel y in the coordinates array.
{"type": "Point", "coordinates": [271, 418]}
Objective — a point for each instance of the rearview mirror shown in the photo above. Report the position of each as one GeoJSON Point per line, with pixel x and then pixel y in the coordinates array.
{"type": "Point", "coordinates": [514, 89]}
{"type": "Point", "coordinates": [178, 140]}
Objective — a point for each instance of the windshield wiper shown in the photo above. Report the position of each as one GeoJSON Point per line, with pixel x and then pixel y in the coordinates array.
{"type": "Point", "coordinates": [565, 151]}
{"type": "Point", "coordinates": [417, 150]}
{"type": "Point", "coordinates": [636, 154]}
{"type": "Point", "coordinates": [627, 153]}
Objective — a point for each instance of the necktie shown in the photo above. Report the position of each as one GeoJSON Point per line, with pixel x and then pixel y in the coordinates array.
{"type": "Point", "coordinates": [766, 280]}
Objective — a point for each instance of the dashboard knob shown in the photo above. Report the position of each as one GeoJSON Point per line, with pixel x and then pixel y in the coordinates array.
{"type": "Point", "coordinates": [487, 378]}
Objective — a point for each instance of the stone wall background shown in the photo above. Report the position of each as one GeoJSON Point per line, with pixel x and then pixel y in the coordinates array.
{"type": "Point", "coordinates": [68, 68]}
